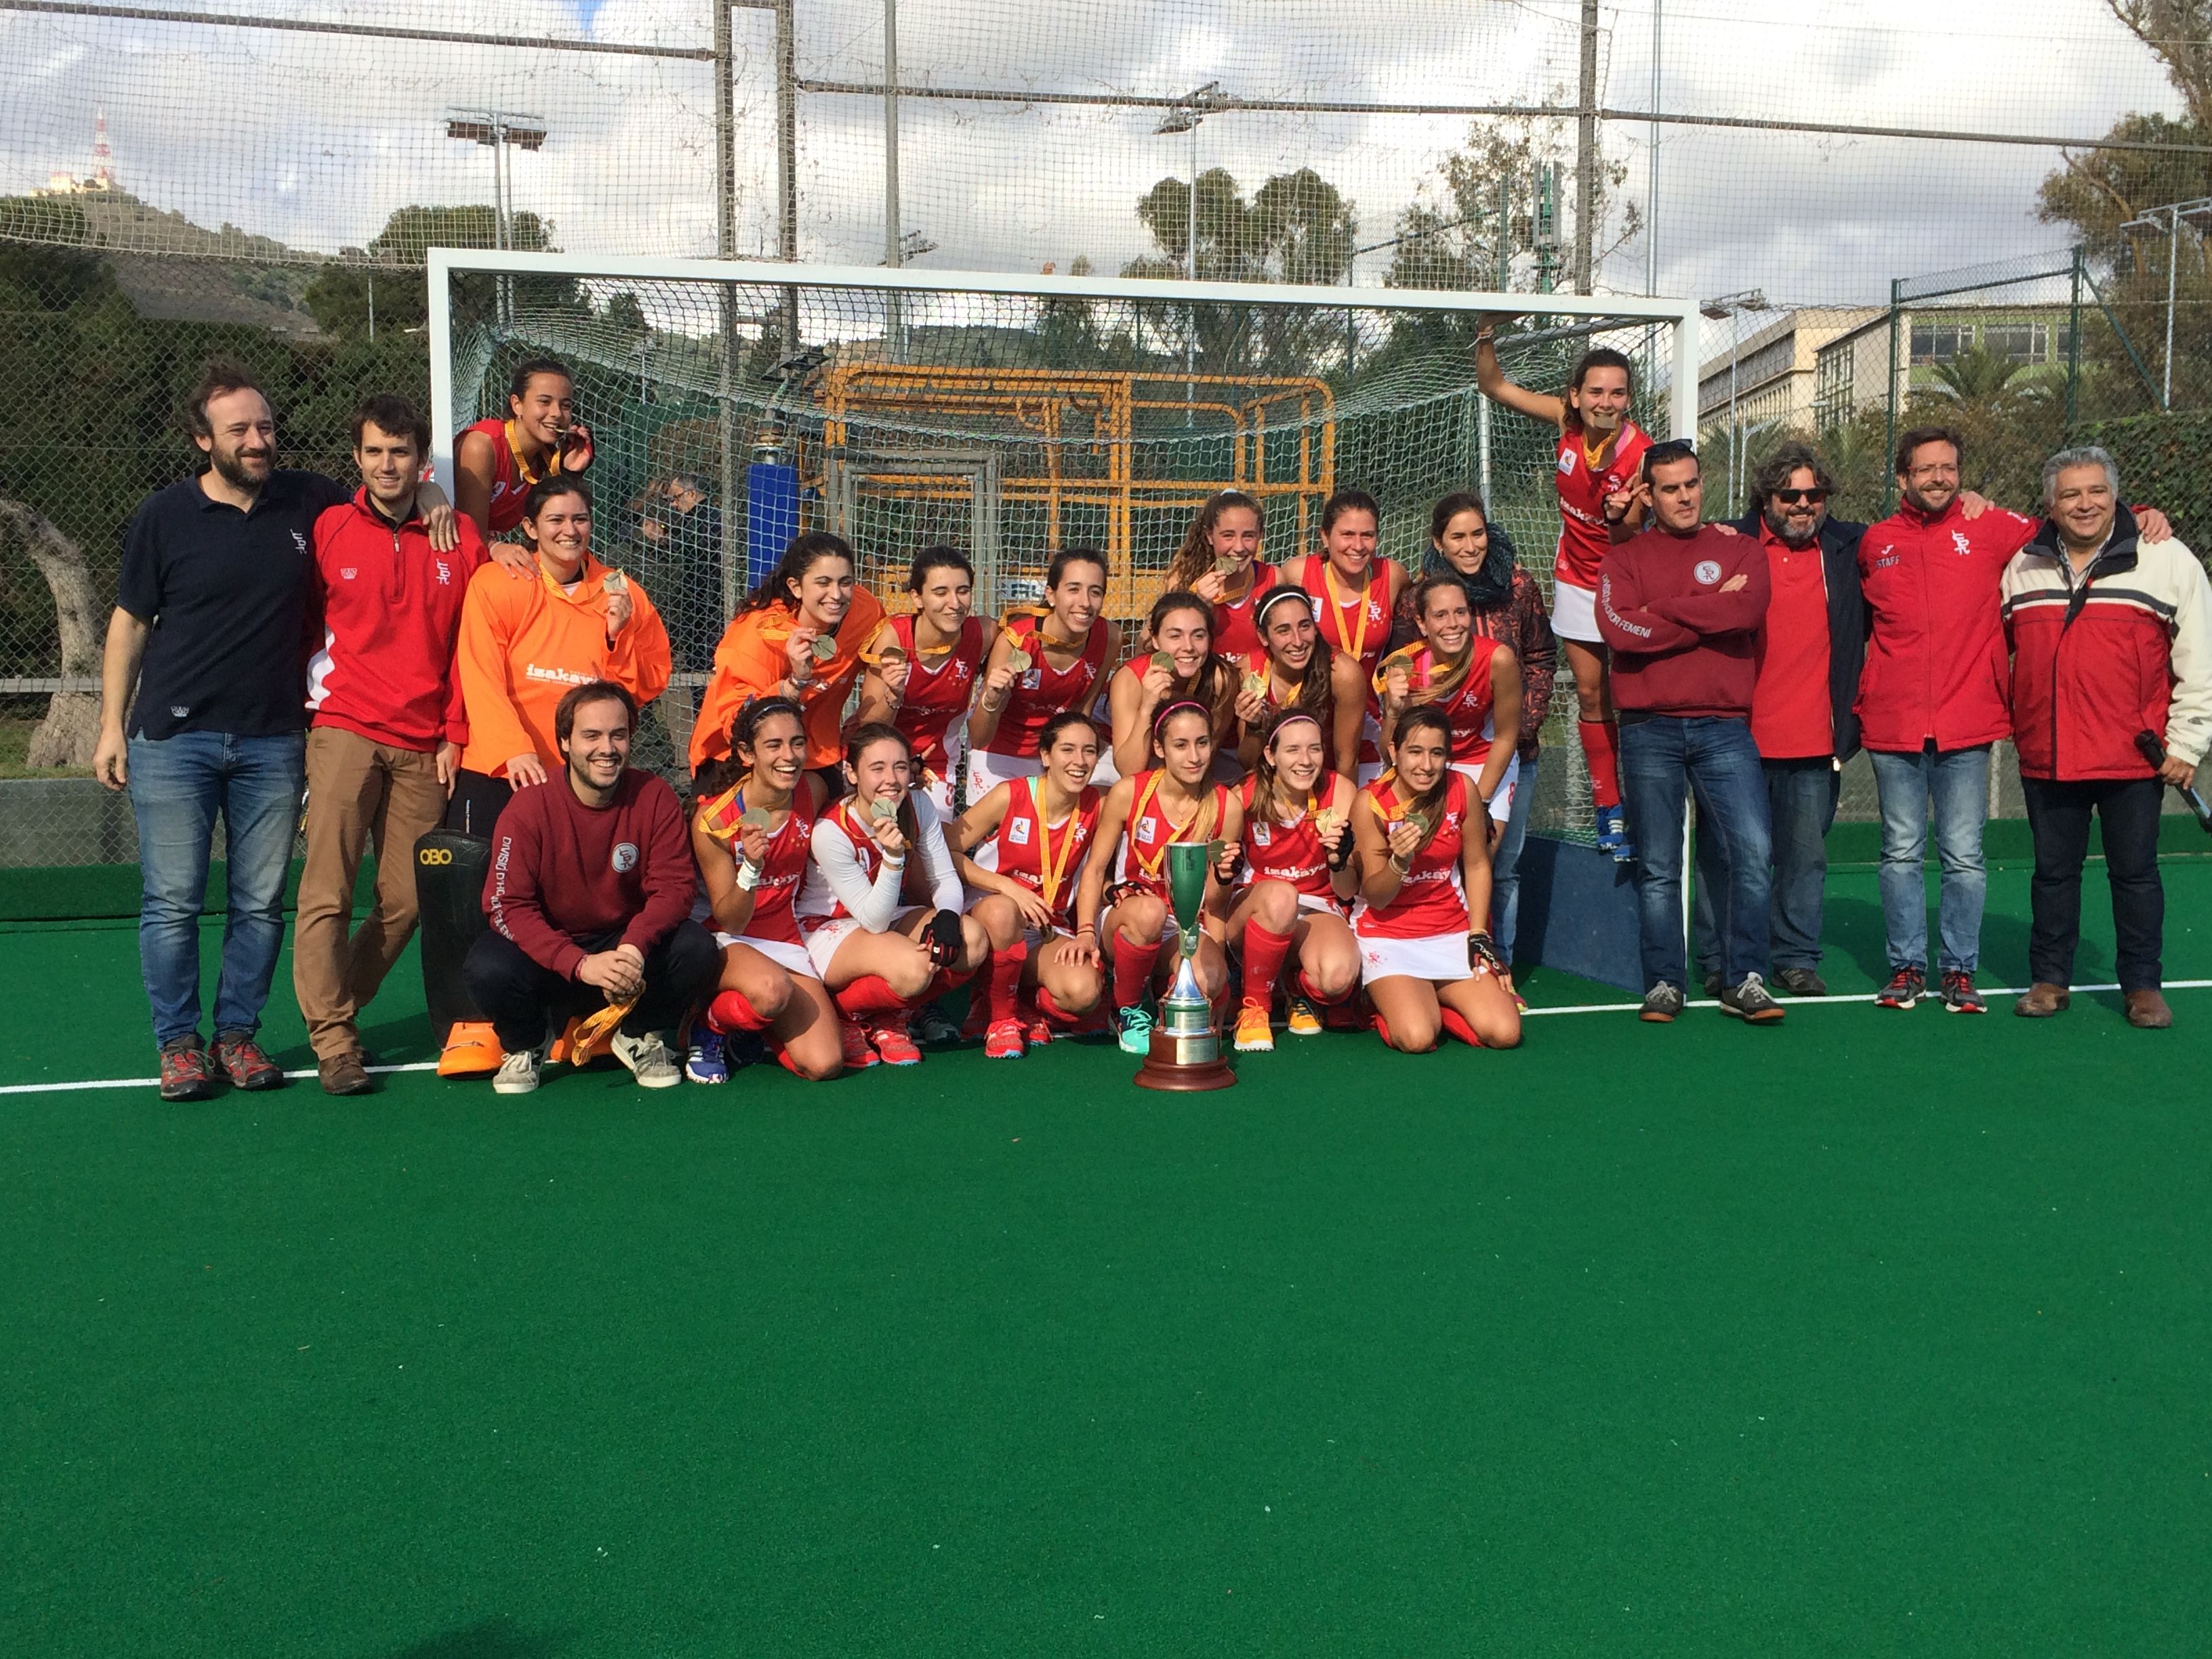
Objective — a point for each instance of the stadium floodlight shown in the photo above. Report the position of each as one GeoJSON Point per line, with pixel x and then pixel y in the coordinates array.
{"type": "Point", "coordinates": [2167, 219]}
{"type": "Point", "coordinates": [1721, 310]}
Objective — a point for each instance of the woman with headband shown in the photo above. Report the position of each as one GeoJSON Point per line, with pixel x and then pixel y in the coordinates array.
{"type": "Point", "coordinates": [1175, 801]}
{"type": "Point", "coordinates": [1425, 960]}
{"type": "Point", "coordinates": [882, 957]}
{"type": "Point", "coordinates": [1022, 847]}
{"type": "Point", "coordinates": [1295, 668]}
{"type": "Point", "coordinates": [1220, 561]}
{"type": "Point", "coordinates": [1300, 878]}
{"type": "Point", "coordinates": [922, 667]}
{"type": "Point", "coordinates": [1040, 666]}
{"type": "Point", "coordinates": [1180, 667]}
{"type": "Point", "coordinates": [1474, 679]}
{"type": "Point", "coordinates": [751, 834]}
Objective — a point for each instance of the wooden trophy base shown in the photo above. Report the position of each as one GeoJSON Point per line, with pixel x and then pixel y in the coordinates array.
{"type": "Point", "coordinates": [1170, 1065]}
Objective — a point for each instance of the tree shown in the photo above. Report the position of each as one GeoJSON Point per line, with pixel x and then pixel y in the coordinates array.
{"type": "Point", "coordinates": [340, 297]}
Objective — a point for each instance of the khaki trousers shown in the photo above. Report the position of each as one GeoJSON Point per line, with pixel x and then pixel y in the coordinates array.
{"type": "Point", "coordinates": [359, 793]}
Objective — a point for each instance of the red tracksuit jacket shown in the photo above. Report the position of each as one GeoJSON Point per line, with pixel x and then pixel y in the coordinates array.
{"type": "Point", "coordinates": [1680, 646]}
{"type": "Point", "coordinates": [1935, 658]}
{"type": "Point", "coordinates": [391, 613]}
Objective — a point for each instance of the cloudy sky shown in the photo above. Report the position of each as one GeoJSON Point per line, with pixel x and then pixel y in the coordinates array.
{"type": "Point", "coordinates": [314, 139]}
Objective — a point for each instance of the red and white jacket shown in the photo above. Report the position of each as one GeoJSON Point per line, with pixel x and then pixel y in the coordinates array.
{"type": "Point", "coordinates": [1936, 657]}
{"type": "Point", "coordinates": [2124, 647]}
{"type": "Point", "coordinates": [391, 618]}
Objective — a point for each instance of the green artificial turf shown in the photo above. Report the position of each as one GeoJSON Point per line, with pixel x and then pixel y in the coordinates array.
{"type": "Point", "coordinates": [1874, 1333]}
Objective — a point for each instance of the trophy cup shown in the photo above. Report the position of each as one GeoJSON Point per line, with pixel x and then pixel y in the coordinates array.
{"type": "Point", "coordinates": [1186, 1054]}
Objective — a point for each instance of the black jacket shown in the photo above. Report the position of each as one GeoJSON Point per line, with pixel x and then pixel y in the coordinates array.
{"type": "Point", "coordinates": [1847, 621]}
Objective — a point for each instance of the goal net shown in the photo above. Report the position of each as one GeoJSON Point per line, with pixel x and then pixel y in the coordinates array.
{"type": "Point", "coordinates": [732, 405]}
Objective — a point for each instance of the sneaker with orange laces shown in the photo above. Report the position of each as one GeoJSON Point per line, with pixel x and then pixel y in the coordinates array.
{"type": "Point", "coordinates": [896, 1044]}
{"type": "Point", "coordinates": [1254, 1035]}
{"type": "Point", "coordinates": [1003, 1041]}
{"type": "Point", "coordinates": [859, 1056]}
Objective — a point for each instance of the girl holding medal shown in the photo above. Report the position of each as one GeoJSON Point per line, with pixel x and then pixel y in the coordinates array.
{"type": "Point", "coordinates": [1040, 665]}
{"type": "Point", "coordinates": [797, 635]}
{"type": "Point", "coordinates": [1220, 561]}
{"type": "Point", "coordinates": [1425, 963]}
{"type": "Point", "coordinates": [1177, 801]}
{"type": "Point", "coordinates": [752, 836]}
{"type": "Point", "coordinates": [1022, 847]}
{"type": "Point", "coordinates": [1476, 681]}
{"type": "Point", "coordinates": [922, 669]}
{"type": "Point", "coordinates": [1180, 667]}
{"type": "Point", "coordinates": [880, 957]}
{"type": "Point", "coordinates": [1294, 668]}
{"type": "Point", "coordinates": [1300, 878]}
{"type": "Point", "coordinates": [1354, 592]}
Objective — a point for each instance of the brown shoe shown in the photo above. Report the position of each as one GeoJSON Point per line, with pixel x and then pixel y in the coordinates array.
{"type": "Point", "coordinates": [345, 1074]}
{"type": "Point", "coordinates": [2043, 999]}
{"type": "Point", "coordinates": [2147, 1011]}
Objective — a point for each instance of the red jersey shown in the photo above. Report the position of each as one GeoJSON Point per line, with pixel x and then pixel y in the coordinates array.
{"type": "Point", "coordinates": [1234, 629]}
{"type": "Point", "coordinates": [1357, 624]}
{"type": "Point", "coordinates": [790, 850]}
{"type": "Point", "coordinates": [1431, 899]}
{"type": "Point", "coordinates": [1791, 715]}
{"type": "Point", "coordinates": [1286, 852]}
{"type": "Point", "coordinates": [1044, 858]}
{"type": "Point", "coordinates": [1472, 700]}
{"type": "Point", "coordinates": [1143, 855]}
{"type": "Point", "coordinates": [510, 478]}
{"type": "Point", "coordinates": [1583, 539]}
{"type": "Point", "coordinates": [937, 690]}
{"type": "Point", "coordinates": [1043, 691]}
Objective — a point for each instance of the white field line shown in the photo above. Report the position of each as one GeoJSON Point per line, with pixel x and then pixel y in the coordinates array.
{"type": "Point", "coordinates": [1993, 991]}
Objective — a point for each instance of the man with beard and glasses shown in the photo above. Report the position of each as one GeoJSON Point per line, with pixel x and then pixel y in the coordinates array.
{"type": "Point", "coordinates": [1808, 654]}
{"type": "Point", "coordinates": [213, 628]}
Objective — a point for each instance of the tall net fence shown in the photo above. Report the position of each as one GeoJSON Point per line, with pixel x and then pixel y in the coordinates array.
{"type": "Point", "coordinates": [183, 182]}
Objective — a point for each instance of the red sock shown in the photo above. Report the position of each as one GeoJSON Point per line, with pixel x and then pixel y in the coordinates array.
{"type": "Point", "coordinates": [868, 997]}
{"type": "Point", "coordinates": [1383, 1030]}
{"type": "Point", "coordinates": [1455, 1023]}
{"type": "Point", "coordinates": [1601, 747]}
{"type": "Point", "coordinates": [1006, 966]}
{"type": "Point", "coordinates": [730, 1011]}
{"type": "Point", "coordinates": [943, 980]}
{"type": "Point", "coordinates": [1313, 996]}
{"type": "Point", "coordinates": [1052, 1010]}
{"type": "Point", "coordinates": [1132, 969]}
{"type": "Point", "coordinates": [783, 1058]}
{"type": "Point", "coordinates": [1264, 952]}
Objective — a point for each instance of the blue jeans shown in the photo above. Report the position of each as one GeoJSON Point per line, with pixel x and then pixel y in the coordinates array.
{"type": "Point", "coordinates": [1506, 863]}
{"type": "Point", "coordinates": [1663, 760]}
{"type": "Point", "coordinates": [1955, 784]}
{"type": "Point", "coordinates": [1801, 809]}
{"type": "Point", "coordinates": [178, 785]}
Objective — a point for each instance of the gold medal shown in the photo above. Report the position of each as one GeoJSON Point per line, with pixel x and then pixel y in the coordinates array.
{"type": "Point", "coordinates": [1255, 685]}
{"type": "Point", "coordinates": [822, 646]}
{"type": "Point", "coordinates": [1420, 822]}
{"type": "Point", "coordinates": [1327, 820]}
{"type": "Point", "coordinates": [889, 654]}
{"type": "Point", "coordinates": [754, 817]}
{"type": "Point", "coordinates": [1019, 661]}
{"type": "Point", "coordinates": [880, 809]}
{"type": "Point", "coordinates": [614, 582]}
{"type": "Point", "coordinates": [1226, 564]}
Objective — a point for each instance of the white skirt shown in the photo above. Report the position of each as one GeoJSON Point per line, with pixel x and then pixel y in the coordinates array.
{"type": "Point", "coordinates": [791, 959]}
{"type": "Point", "coordinates": [1574, 613]}
{"type": "Point", "coordinates": [987, 770]}
{"type": "Point", "coordinates": [1440, 959]}
{"type": "Point", "coordinates": [1501, 804]}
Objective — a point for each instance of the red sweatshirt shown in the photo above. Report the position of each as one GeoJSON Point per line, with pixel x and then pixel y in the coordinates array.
{"type": "Point", "coordinates": [391, 613]}
{"type": "Point", "coordinates": [562, 871]}
{"type": "Point", "coordinates": [1681, 646]}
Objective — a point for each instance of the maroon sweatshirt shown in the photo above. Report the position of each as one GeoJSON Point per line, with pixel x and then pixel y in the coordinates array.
{"type": "Point", "coordinates": [562, 871]}
{"type": "Point", "coordinates": [1680, 646]}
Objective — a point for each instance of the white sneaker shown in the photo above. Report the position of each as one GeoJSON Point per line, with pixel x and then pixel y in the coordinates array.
{"type": "Point", "coordinates": [648, 1059]}
{"type": "Point", "coordinates": [518, 1073]}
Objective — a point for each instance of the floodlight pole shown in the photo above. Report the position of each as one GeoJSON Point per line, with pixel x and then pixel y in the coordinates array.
{"type": "Point", "coordinates": [894, 251]}
{"type": "Point", "coordinates": [499, 130]}
{"type": "Point", "coordinates": [1727, 308]}
{"type": "Point", "coordinates": [2170, 215]}
{"type": "Point", "coordinates": [1184, 116]}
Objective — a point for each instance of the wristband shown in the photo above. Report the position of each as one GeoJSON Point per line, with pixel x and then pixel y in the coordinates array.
{"type": "Point", "coordinates": [748, 875]}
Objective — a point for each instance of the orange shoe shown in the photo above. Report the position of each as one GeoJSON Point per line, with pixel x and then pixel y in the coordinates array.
{"type": "Point", "coordinates": [1254, 1034]}
{"type": "Point", "coordinates": [1003, 1041]}
{"type": "Point", "coordinates": [472, 1050]}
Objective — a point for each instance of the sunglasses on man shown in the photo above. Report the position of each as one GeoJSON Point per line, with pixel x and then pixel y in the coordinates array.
{"type": "Point", "coordinates": [1791, 497]}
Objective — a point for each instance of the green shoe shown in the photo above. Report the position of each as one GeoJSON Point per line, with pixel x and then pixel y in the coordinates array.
{"type": "Point", "coordinates": [1136, 1030]}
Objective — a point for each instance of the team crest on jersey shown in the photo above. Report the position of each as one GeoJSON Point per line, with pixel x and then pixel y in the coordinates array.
{"type": "Point", "coordinates": [1031, 680]}
{"type": "Point", "coordinates": [1144, 830]}
{"type": "Point", "coordinates": [1566, 462]}
{"type": "Point", "coordinates": [348, 571]}
{"type": "Point", "coordinates": [1959, 544]}
{"type": "Point", "coordinates": [1260, 833]}
{"type": "Point", "coordinates": [625, 857]}
{"type": "Point", "coordinates": [300, 541]}
{"type": "Point", "coordinates": [1018, 832]}
{"type": "Point", "coordinates": [444, 573]}
{"type": "Point", "coordinates": [1706, 572]}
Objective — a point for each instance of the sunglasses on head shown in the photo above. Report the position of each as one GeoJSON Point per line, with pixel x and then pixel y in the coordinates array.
{"type": "Point", "coordinates": [1791, 497]}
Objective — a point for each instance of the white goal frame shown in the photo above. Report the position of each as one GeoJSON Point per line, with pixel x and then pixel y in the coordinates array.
{"type": "Point", "coordinates": [1681, 316]}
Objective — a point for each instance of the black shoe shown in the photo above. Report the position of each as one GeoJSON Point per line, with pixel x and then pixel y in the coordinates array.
{"type": "Point", "coordinates": [1661, 1003]}
{"type": "Point", "coordinates": [933, 1028]}
{"type": "Point", "coordinates": [1712, 984]}
{"type": "Point", "coordinates": [1801, 981]}
{"type": "Point", "coordinates": [1751, 1001]}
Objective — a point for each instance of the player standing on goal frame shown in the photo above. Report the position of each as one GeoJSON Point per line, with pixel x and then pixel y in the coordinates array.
{"type": "Point", "coordinates": [1599, 451]}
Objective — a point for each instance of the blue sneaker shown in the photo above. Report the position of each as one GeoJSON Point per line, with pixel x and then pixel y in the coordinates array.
{"type": "Point", "coordinates": [1136, 1025]}
{"type": "Point", "coordinates": [704, 1062]}
{"type": "Point", "coordinates": [1612, 835]}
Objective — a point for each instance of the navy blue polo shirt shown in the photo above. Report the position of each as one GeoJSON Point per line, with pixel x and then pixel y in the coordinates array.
{"type": "Point", "coordinates": [230, 595]}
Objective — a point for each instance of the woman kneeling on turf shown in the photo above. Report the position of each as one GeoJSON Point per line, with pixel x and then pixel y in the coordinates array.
{"type": "Point", "coordinates": [1022, 847]}
{"type": "Point", "coordinates": [1300, 878]}
{"type": "Point", "coordinates": [1421, 877]}
{"type": "Point", "coordinates": [880, 957]}
{"type": "Point", "coordinates": [1144, 816]}
{"type": "Point", "coordinates": [753, 839]}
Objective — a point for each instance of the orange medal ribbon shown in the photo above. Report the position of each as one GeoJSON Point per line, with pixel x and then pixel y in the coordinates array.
{"type": "Point", "coordinates": [1175, 831]}
{"type": "Point", "coordinates": [1049, 873]}
{"type": "Point", "coordinates": [1359, 637]}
